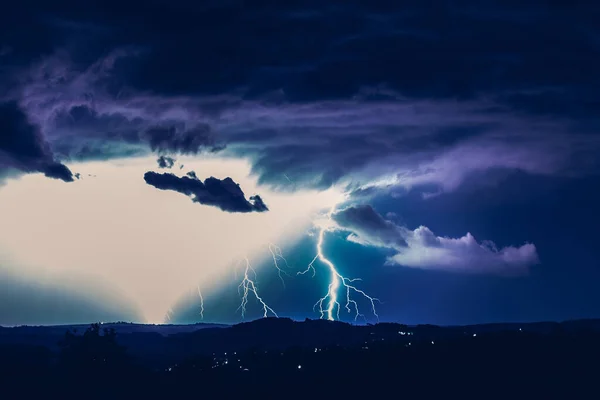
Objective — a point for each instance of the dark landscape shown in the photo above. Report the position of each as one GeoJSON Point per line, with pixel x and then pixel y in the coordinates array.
{"type": "Point", "coordinates": [285, 358]}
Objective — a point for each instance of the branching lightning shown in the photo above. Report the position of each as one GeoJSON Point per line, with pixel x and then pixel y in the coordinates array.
{"type": "Point", "coordinates": [328, 306]}
{"type": "Point", "coordinates": [277, 257]}
{"type": "Point", "coordinates": [249, 286]}
{"type": "Point", "coordinates": [332, 309]}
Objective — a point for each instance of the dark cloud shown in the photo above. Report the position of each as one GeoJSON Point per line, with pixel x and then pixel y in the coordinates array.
{"type": "Point", "coordinates": [222, 193]}
{"type": "Point", "coordinates": [112, 132]}
{"type": "Point", "coordinates": [58, 171]}
{"type": "Point", "coordinates": [23, 148]}
{"type": "Point", "coordinates": [327, 50]}
{"type": "Point", "coordinates": [322, 50]}
{"type": "Point", "coordinates": [172, 140]}
{"type": "Point", "coordinates": [366, 222]}
{"type": "Point", "coordinates": [165, 162]}
{"type": "Point", "coordinates": [192, 174]}
{"type": "Point", "coordinates": [344, 91]}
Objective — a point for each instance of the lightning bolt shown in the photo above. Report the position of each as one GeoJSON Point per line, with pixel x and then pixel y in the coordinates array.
{"type": "Point", "coordinates": [278, 256]}
{"type": "Point", "coordinates": [248, 286]}
{"type": "Point", "coordinates": [201, 303]}
{"type": "Point", "coordinates": [337, 280]}
{"type": "Point", "coordinates": [328, 305]}
{"type": "Point", "coordinates": [168, 314]}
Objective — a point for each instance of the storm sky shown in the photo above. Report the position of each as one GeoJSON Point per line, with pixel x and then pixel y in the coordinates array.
{"type": "Point", "coordinates": [449, 150]}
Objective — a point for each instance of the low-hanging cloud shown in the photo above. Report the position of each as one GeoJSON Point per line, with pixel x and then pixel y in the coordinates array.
{"type": "Point", "coordinates": [421, 248]}
{"type": "Point", "coordinates": [369, 226]}
{"type": "Point", "coordinates": [221, 193]}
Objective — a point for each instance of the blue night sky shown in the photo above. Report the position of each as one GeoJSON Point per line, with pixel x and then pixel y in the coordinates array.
{"type": "Point", "coordinates": [160, 161]}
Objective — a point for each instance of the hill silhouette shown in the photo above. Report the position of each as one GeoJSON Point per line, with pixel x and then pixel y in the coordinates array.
{"type": "Point", "coordinates": [294, 359]}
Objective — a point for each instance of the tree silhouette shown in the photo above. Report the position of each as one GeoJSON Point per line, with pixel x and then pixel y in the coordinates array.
{"type": "Point", "coordinates": [93, 353]}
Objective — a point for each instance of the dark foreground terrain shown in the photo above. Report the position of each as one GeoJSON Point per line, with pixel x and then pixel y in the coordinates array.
{"type": "Point", "coordinates": [280, 358]}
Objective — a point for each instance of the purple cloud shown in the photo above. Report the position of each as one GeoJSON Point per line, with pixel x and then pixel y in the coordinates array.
{"type": "Point", "coordinates": [427, 251]}
{"type": "Point", "coordinates": [421, 248]}
{"type": "Point", "coordinates": [364, 144]}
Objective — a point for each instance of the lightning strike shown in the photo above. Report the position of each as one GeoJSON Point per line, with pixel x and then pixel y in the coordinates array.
{"type": "Point", "coordinates": [201, 303]}
{"type": "Point", "coordinates": [277, 257]}
{"type": "Point", "coordinates": [337, 280]}
{"type": "Point", "coordinates": [248, 286]}
{"type": "Point", "coordinates": [168, 314]}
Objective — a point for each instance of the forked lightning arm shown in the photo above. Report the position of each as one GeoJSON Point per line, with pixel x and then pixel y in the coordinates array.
{"type": "Point", "coordinates": [336, 280]}
{"type": "Point", "coordinates": [249, 286]}
{"type": "Point", "coordinates": [277, 257]}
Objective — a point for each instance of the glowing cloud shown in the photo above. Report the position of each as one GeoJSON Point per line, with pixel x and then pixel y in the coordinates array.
{"type": "Point", "coordinates": [426, 250]}
{"type": "Point", "coordinates": [150, 245]}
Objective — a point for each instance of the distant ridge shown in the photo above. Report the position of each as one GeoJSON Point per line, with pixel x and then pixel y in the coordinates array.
{"type": "Point", "coordinates": [160, 345]}
{"type": "Point", "coordinates": [169, 329]}
{"type": "Point", "coordinates": [119, 327]}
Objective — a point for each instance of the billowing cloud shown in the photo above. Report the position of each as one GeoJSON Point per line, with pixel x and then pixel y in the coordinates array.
{"type": "Point", "coordinates": [165, 162]}
{"type": "Point", "coordinates": [426, 250]}
{"type": "Point", "coordinates": [23, 148]}
{"type": "Point", "coordinates": [421, 248]}
{"type": "Point", "coordinates": [222, 193]}
{"type": "Point", "coordinates": [359, 142]}
{"type": "Point", "coordinates": [431, 107]}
